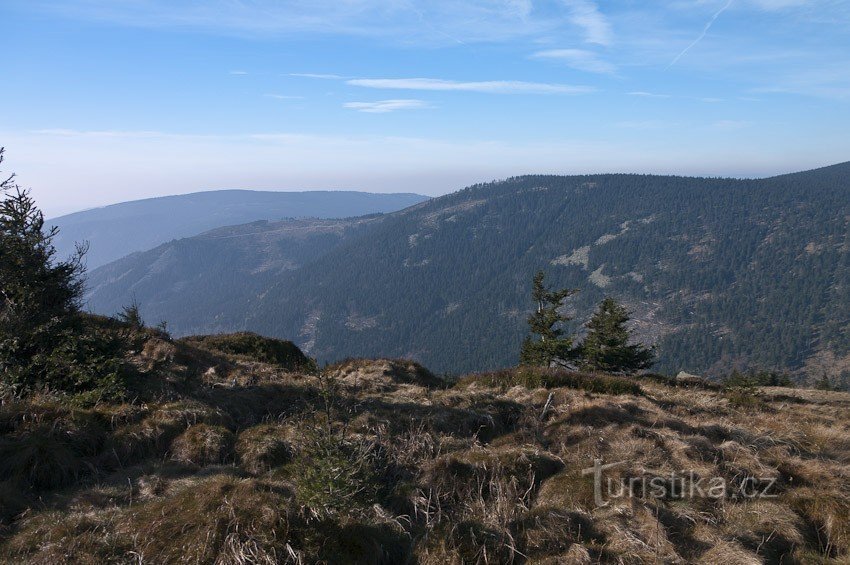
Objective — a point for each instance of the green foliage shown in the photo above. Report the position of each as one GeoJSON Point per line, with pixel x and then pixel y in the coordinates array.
{"type": "Point", "coordinates": [549, 346]}
{"type": "Point", "coordinates": [741, 389]}
{"type": "Point", "coordinates": [132, 315]}
{"type": "Point", "coordinates": [756, 378]}
{"type": "Point", "coordinates": [45, 342]}
{"type": "Point", "coordinates": [825, 383]}
{"type": "Point", "coordinates": [336, 475]}
{"type": "Point", "coordinates": [606, 347]}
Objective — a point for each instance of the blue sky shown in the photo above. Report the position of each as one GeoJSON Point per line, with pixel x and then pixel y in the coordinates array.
{"type": "Point", "coordinates": [106, 101]}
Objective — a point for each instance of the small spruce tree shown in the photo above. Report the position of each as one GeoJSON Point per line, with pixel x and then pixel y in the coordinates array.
{"type": "Point", "coordinates": [547, 345]}
{"type": "Point", "coordinates": [132, 315]}
{"type": "Point", "coordinates": [606, 347]}
{"type": "Point", "coordinates": [45, 342]}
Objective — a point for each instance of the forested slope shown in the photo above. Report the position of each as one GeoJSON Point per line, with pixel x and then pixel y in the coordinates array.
{"type": "Point", "coordinates": [719, 272]}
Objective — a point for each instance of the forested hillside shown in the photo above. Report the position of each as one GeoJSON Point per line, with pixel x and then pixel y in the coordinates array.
{"type": "Point", "coordinates": [208, 283]}
{"type": "Point", "coordinates": [719, 273]}
{"type": "Point", "coordinates": [118, 230]}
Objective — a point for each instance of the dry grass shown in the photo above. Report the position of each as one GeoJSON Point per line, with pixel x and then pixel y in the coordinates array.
{"type": "Point", "coordinates": [227, 460]}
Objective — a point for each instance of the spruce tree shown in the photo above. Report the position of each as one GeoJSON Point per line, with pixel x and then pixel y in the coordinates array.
{"type": "Point", "coordinates": [547, 345]}
{"type": "Point", "coordinates": [606, 347]}
{"type": "Point", "coordinates": [45, 342]}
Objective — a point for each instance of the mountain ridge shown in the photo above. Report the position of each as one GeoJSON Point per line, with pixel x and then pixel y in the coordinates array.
{"type": "Point", "coordinates": [446, 282]}
{"type": "Point", "coordinates": [117, 230]}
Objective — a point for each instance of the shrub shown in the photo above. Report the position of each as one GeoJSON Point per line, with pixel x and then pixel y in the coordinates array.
{"type": "Point", "coordinates": [335, 475]}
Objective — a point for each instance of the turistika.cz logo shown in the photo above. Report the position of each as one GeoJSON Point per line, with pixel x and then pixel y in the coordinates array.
{"type": "Point", "coordinates": [683, 485]}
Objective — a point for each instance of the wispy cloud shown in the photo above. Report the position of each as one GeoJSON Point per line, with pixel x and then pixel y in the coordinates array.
{"type": "Point", "coordinates": [701, 35]}
{"type": "Point", "coordinates": [491, 87]}
{"type": "Point", "coordinates": [283, 97]}
{"type": "Point", "coordinates": [579, 59]}
{"type": "Point", "coordinates": [386, 106]}
{"type": "Point", "coordinates": [401, 21]}
{"type": "Point", "coordinates": [586, 15]}
{"type": "Point", "coordinates": [644, 94]}
{"type": "Point", "coordinates": [730, 125]}
{"type": "Point", "coordinates": [647, 124]}
{"type": "Point", "coordinates": [322, 76]}
{"type": "Point", "coordinates": [238, 72]}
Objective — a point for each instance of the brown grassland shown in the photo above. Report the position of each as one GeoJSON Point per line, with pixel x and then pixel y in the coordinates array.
{"type": "Point", "coordinates": [222, 459]}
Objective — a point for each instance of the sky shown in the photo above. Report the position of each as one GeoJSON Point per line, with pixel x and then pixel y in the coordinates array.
{"type": "Point", "coordinates": [108, 101]}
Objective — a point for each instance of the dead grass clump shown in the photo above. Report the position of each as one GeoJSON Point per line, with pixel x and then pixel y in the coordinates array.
{"type": "Point", "coordinates": [356, 542]}
{"type": "Point", "coordinates": [454, 473]}
{"type": "Point", "coordinates": [56, 537]}
{"type": "Point", "coordinates": [248, 406]}
{"type": "Point", "coordinates": [723, 551]}
{"type": "Point", "coordinates": [569, 490]}
{"type": "Point", "coordinates": [827, 512]}
{"type": "Point", "coordinates": [264, 447]}
{"type": "Point", "coordinates": [12, 501]}
{"type": "Point", "coordinates": [153, 436]}
{"type": "Point", "coordinates": [540, 377]}
{"type": "Point", "coordinates": [545, 531]}
{"type": "Point", "coordinates": [766, 528]}
{"type": "Point", "coordinates": [204, 445]}
{"type": "Point", "coordinates": [253, 347]}
{"type": "Point", "coordinates": [158, 351]}
{"type": "Point", "coordinates": [216, 520]}
{"type": "Point", "coordinates": [41, 458]}
{"type": "Point", "coordinates": [381, 374]}
{"type": "Point", "coordinates": [476, 542]}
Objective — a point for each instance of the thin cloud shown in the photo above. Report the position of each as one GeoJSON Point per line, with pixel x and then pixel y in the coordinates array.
{"type": "Point", "coordinates": [579, 59]}
{"type": "Point", "coordinates": [701, 35]}
{"type": "Point", "coordinates": [283, 97]}
{"type": "Point", "coordinates": [318, 75]}
{"type": "Point", "coordinates": [644, 94]}
{"type": "Point", "coordinates": [489, 87]}
{"type": "Point", "coordinates": [238, 72]}
{"type": "Point", "coordinates": [586, 15]}
{"type": "Point", "coordinates": [386, 106]}
{"type": "Point", "coordinates": [730, 125]}
{"type": "Point", "coordinates": [400, 21]}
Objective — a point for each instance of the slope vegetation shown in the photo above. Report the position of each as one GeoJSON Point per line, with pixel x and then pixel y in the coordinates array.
{"type": "Point", "coordinates": [225, 459]}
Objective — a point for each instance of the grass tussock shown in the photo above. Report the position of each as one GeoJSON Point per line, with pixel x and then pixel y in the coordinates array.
{"type": "Point", "coordinates": [265, 447]}
{"type": "Point", "coordinates": [255, 348]}
{"type": "Point", "coordinates": [204, 445]}
{"type": "Point", "coordinates": [536, 377]}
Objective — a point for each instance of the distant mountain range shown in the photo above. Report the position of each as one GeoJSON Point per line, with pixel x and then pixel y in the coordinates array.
{"type": "Point", "coordinates": [120, 229]}
{"type": "Point", "coordinates": [720, 273]}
